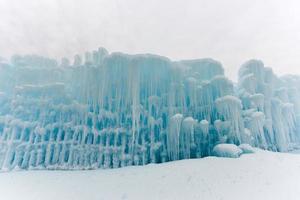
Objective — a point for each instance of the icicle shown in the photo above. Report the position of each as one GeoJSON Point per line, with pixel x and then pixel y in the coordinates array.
{"type": "Point", "coordinates": [279, 130]}
{"type": "Point", "coordinates": [256, 124]}
{"type": "Point", "coordinates": [230, 108]}
{"type": "Point", "coordinates": [186, 133]}
{"type": "Point", "coordinates": [173, 136]}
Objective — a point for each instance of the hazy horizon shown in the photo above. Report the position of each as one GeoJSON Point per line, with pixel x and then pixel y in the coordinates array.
{"type": "Point", "coordinates": [231, 32]}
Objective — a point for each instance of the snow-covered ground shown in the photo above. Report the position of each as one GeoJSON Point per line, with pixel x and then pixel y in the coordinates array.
{"type": "Point", "coordinates": [263, 175]}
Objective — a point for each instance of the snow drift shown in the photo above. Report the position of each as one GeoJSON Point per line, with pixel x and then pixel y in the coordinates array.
{"type": "Point", "coordinates": [227, 151]}
{"type": "Point", "coordinates": [260, 176]}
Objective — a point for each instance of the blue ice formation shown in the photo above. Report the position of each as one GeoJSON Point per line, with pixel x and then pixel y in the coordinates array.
{"type": "Point", "coordinates": [114, 110]}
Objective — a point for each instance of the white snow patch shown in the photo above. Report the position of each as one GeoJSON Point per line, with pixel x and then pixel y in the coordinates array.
{"type": "Point", "coordinates": [261, 176]}
{"type": "Point", "coordinates": [227, 150]}
{"type": "Point", "coordinates": [246, 148]}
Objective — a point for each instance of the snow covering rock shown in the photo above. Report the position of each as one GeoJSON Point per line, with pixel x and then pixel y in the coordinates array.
{"type": "Point", "coordinates": [227, 150]}
{"type": "Point", "coordinates": [246, 148]}
{"type": "Point", "coordinates": [110, 110]}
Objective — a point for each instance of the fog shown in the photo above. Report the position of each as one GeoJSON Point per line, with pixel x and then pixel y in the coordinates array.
{"type": "Point", "coordinates": [230, 31]}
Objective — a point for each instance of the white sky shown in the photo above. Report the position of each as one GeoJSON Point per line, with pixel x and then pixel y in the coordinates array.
{"type": "Point", "coordinates": [231, 31]}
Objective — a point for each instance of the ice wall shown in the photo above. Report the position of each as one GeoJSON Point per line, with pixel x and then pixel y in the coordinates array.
{"type": "Point", "coordinates": [114, 110]}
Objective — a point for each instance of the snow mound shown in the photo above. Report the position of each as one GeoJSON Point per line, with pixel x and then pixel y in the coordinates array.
{"type": "Point", "coordinates": [227, 150]}
{"type": "Point", "coordinates": [246, 148]}
{"type": "Point", "coordinates": [264, 175]}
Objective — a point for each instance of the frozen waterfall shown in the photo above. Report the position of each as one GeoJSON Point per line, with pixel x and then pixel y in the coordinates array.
{"type": "Point", "coordinates": [113, 110]}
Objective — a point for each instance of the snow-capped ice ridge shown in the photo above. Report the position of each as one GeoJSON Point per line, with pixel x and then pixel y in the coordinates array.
{"type": "Point", "coordinates": [114, 110]}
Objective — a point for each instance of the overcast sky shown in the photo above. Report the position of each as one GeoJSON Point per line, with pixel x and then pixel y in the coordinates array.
{"type": "Point", "coordinates": [231, 31]}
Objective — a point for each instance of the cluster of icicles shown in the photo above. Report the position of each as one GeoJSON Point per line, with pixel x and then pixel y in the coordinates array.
{"type": "Point", "coordinates": [114, 110]}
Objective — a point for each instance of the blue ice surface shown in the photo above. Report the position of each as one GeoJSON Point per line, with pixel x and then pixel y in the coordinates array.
{"type": "Point", "coordinates": [114, 110]}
